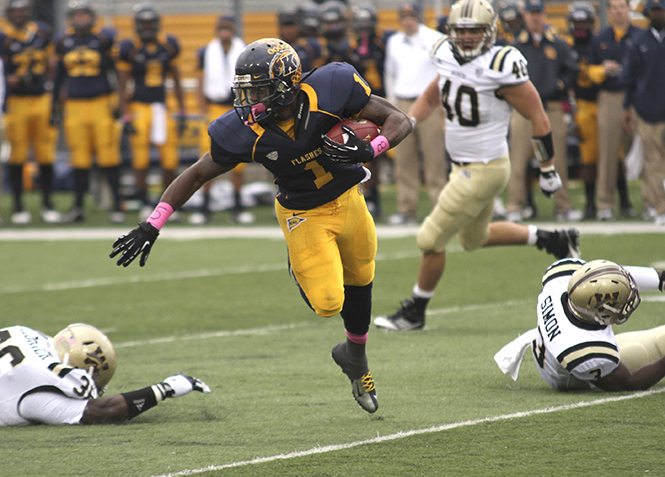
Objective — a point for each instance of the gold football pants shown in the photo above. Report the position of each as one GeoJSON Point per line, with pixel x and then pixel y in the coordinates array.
{"type": "Point", "coordinates": [90, 130]}
{"type": "Point", "coordinates": [330, 246]}
{"type": "Point", "coordinates": [28, 124]}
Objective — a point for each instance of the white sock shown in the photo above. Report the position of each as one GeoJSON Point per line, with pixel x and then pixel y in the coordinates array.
{"type": "Point", "coordinates": [532, 235]}
{"type": "Point", "coordinates": [420, 293]}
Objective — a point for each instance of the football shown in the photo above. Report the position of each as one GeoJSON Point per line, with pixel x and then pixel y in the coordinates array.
{"type": "Point", "coordinates": [363, 128]}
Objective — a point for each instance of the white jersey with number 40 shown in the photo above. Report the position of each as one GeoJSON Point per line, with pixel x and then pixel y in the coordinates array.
{"type": "Point", "coordinates": [477, 119]}
{"type": "Point", "coordinates": [29, 363]}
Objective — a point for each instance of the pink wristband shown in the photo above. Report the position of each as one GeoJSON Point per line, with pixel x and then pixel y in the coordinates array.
{"type": "Point", "coordinates": [160, 215]}
{"type": "Point", "coordinates": [380, 145]}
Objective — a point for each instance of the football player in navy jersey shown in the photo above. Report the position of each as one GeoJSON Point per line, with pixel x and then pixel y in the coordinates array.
{"type": "Point", "coordinates": [148, 59]}
{"type": "Point", "coordinates": [280, 121]}
{"type": "Point", "coordinates": [84, 68]}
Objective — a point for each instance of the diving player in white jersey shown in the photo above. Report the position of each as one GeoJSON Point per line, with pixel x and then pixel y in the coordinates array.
{"type": "Point", "coordinates": [60, 380]}
{"type": "Point", "coordinates": [479, 84]}
{"type": "Point", "coordinates": [574, 346]}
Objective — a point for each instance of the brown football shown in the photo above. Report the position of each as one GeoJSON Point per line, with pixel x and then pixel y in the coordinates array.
{"type": "Point", "coordinates": [363, 128]}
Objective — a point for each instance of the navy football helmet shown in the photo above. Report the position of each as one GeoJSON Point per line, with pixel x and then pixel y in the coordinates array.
{"type": "Point", "coordinates": [81, 25]}
{"type": "Point", "coordinates": [146, 21]}
{"type": "Point", "coordinates": [268, 74]}
{"type": "Point", "coordinates": [18, 12]}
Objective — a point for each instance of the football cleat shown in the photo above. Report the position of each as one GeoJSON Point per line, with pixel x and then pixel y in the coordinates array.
{"type": "Point", "coordinates": [51, 216]}
{"type": "Point", "coordinates": [362, 388]}
{"type": "Point", "coordinates": [560, 243]}
{"type": "Point", "coordinates": [21, 218]}
{"type": "Point", "coordinates": [408, 317]}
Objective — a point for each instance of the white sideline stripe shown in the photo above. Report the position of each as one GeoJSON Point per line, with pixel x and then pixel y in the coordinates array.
{"type": "Point", "coordinates": [382, 231]}
{"type": "Point", "coordinates": [415, 432]}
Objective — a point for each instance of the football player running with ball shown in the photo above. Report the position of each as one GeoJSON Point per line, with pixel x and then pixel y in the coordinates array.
{"type": "Point", "coordinates": [479, 84]}
{"type": "Point", "coordinates": [280, 121]}
{"type": "Point", "coordinates": [61, 380]}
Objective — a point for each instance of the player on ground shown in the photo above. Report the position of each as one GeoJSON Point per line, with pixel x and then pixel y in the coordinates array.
{"type": "Point", "coordinates": [574, 346]}
{"type": "Point", "coordinates": [148, 59]}
{"type": "Point", "coordinates": [279, 121]}
{"type": "Point", "coordinates": [61, 380]}
{"type": "Point", "coordinates": [478, 84]}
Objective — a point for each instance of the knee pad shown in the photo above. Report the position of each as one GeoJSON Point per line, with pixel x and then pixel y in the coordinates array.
{"type": "Point", "coordinates": [427, 237]}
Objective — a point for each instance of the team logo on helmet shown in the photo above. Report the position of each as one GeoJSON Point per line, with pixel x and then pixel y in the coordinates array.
{"type": "Point", "coordinates": [286, 65]}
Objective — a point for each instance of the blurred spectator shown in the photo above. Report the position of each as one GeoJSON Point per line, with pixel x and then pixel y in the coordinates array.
{"type": "Point", "coordinates": [642, 77]}
{"type": "Point", "coordinates": [511, 21]}
{"type": "Point", "coordinates": [84, 69]}
{"type": "Point", "coordinates": [442, 24]}
{"type": "Point", "coordinates": [367, 55]}
{"type": "Point", "coordinates": [581, 24]}
{"type": "Point", "coordinates": [25, 46]}
{"type": "Point", "coordinates": [408, 72]}
{"type": "Point", "coordinates": [147, 60]}
{"type": "Point", "coordinates": [334, 17]}
{"type": "Point", "coordinates": [217, 62]}
{"type": "Point", "coordinates": [552, 70]}
{"type": "Point", "coordinates": [289, 31]}
{"type": "Point", "coordinates": [610, 47]}
{"type": "Point", "coordinates": [308, 19]}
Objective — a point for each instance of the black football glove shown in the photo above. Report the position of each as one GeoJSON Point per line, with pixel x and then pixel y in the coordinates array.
{"type": "Point", "coordinates": [353, 152]}
{"type": "Point", "coordinates": [138, 241]}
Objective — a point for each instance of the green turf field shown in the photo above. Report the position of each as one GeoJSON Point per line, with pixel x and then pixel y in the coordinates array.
{"type": "Point", "coordinates": [226, 311]}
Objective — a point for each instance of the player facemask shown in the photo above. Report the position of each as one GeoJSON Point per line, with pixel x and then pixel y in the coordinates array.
{"type": "Point", "coordinates": [472, 25]}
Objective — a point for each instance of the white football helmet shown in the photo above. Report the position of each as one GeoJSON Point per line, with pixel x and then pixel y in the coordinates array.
{"type": "Point", "coordinates": [85, 347]}
{"type": "Point", "coordinates": [602, 292]}
{"type": "Point", "coordinates": [471, 14]}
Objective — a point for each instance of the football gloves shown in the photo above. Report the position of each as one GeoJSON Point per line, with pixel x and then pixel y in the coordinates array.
{"type": "Point", "coordinates": [138, 241]}
{"type": "Point", "coordinates": [549, 181]}
{"type": "Point", "coordinates": [355, 150]}
{"type": "Point", "coordinates": [179, 385]}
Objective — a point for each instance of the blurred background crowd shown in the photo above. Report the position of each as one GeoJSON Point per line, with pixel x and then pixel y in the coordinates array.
{"type": "Point", "coordinates": [106, 101]}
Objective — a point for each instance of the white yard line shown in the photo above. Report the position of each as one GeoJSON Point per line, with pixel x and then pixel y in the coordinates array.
{"type": "Point", "coordinates": [414, 432]}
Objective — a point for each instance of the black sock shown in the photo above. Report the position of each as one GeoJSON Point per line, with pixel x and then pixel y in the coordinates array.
{"type": "Point", "coordinates": [113, 178]}
{"type": "Point", "coordinates": [16, 183]}
{"type": "Point", "coordinates": [46, 184]}
{"type": "Point", "coordinates": [81, 178]}
{"type": "Point", "coordinates": [357, 309]}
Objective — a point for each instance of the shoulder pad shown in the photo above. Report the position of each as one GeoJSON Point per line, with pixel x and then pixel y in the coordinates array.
{"type": "Point", "coordinates": [561, 268]}
{"type": "Point", "coordinates": [438, 44]}
{"type": "Point", "coordinates": [500, 58]}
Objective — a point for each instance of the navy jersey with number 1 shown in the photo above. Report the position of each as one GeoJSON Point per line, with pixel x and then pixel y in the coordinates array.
{"type": "Point", "coordinates": [305, 176]}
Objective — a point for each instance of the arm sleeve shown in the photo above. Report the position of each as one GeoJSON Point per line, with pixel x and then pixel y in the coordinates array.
{"type": "Point", "coordinates": [629, 76]}
{"type": "Point", "coordinates": [52, 408]}
{"type": "Point", "coordinates": [646, 278]}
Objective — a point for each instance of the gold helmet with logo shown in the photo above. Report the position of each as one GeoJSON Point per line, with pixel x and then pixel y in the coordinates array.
{"type": "Point", "coordinates": [468, 15]}
{"type": "Point", "coordinates": [602, 292]}
{"type": "Point", "coordinates": [84, 346]}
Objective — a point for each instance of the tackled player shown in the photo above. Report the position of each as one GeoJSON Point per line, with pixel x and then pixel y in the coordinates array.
{"type": "Point", "coordinates": [61, 380]}
{"type": "Point", "coordinates": [280, 121]}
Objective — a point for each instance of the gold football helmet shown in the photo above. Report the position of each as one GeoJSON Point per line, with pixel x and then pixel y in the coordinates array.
{"type": "Point", "coordinates": [84, 346]}
{"type": "Point", "coordinates": [471, 15]}
{"type": "Point", "coordinates": [602, 292]}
